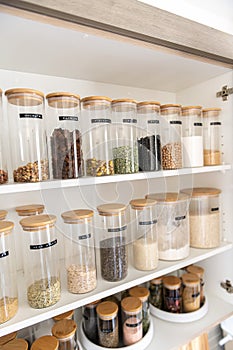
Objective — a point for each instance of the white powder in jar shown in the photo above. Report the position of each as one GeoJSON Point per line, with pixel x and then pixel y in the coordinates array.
{"type": "Point", "coordinates": [174, 254]}
{"type": "Point", "coordinates": [205, 230]}
{"type": "Point", "coordinates": [145, 253]}
{"type": "Point", "coordinates": [192, 151]}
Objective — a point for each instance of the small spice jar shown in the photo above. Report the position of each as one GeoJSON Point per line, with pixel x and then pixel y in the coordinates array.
{"type": "Point", "coordinates": [80, 252]}
{"type": "Point", "coordinates": [212, 136]}
{"type": "Point", "coordinates": [156, 292]}
{"type": "Point", "coordinates": [113, 244]}
{"type": "Point", "coordinates": [145, 240]}
{"type": "Point", "coordinates": [125, 148]}
{"type": "Point", "coordinates": [190, 292]}
{"type": "Point", "coordinates": [47, 342]}
{"type": "Point", "coordinates": [172, 294]}
{"type": "Point", "coordinates": [192, 136]}
{"type": "Point", "coordinates": [3, 214]}
{"type": "Point", "coordinates": [199, 271]}
{"type": "Point", "coordinates": [3, 153]}
{"type": "Point", "coordinates": [171, 136]}
{"type": "Point", "coordinates": [96, 111]}
{"type": "Point", "coordinates": [43, 280]}
{"type": "Point", "coordinates": [143, 293]}
{"type": "Point", "coordinates": [8, 290]}
{"type": "Point", "coordinates": [131, 314]}
{"type": "Point", "coordinates": [149, 143]}
{"type": "Point", "coordinates": [107, 321]}
{"type": "Point", "coordinates": [65, 332]}
{"type": "Point", "coordinates": [16, 344]}
{"type": "Point", "coordinates": [28, 135]}
{"type": "Point", "coordinates": [90, 321]}
{"type": "Point", "coordinates": [204, 217]}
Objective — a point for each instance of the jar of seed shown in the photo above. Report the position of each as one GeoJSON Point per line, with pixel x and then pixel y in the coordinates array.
{"type": "Point", "coordinates": [90, 321]}
{"type": "Point", "coordinates": [199, 271]}
{"type": "Point", "coordinates": [47, 342]}
{"type": "Point", "coordinates": [41, 265]}
{"type": "Point", "coordinates": [131, 315]}
{"type": "Point", "coordinates": [172, 294]}
{"type": "Point", "coordinates": [79, 250]}
{"type": "Point", "coordinates": [3, 150]}
{"type": "Point", "coordinates": [28, 135]}
{"type": "Point", "coordinates": [19, 344]}
{"type": "Point", "coordinates": [156, 292]}
{"type": "Point", "coordinates": [212, 136]}
{"type": "Point", "coordinates": [143, 293]}
{"type": "Point", "coordinates": [3, 214]}
{"type": "Point", "coordinates": [65, 332]}
{"type": "Point", "coordinates": [191, 292]}
{"type": "Point", "coordinates": [113, 241]}
{"type": "Point", "coordinates": [107, 321]}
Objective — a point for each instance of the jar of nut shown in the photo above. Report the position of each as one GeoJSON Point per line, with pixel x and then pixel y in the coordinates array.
{"type": "Point", "coordinates": [3, 150]}
{"type": "Point", "coordinates": [212, 136]}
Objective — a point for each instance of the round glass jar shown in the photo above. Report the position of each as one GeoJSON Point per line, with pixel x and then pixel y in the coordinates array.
{"type": "Point", "coordinates": [190, 292]}
{"type": "Point", "coordinates": [199, 271]}
{"type": "Point", "coordinates": [131, 315]}
{"type": "Point", "coordinates": [143, 293]}
{"type": "Point", "coordinates": [212, 136]}
{"type": "Point", "coordinates": [3, 214]}
{"type": "Point", "coordinates": [172, 294]}
{"type": "Point", "coordinates": [3, 151]}
{"type": "Point", "coordinates": [29, 153]}
{"type": "Point", "coordinates": [90, 321]}
{"type": "Point", "coordinates": [107, 323]}
{"type": "Point", "coordinates": [156, 292]}
{"type": "Point", "coordinates": [79, 250]}
{"type": "Point", "coordinates": [65, 332]}
{"type": "Point", "coordinates": [47, 342]}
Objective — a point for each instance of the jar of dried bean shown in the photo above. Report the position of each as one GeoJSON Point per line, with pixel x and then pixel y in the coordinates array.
{"type": "Point", "coordinates": [3, 150]}
{"type": "Point", "coordinates": [79, 250]}
{"type": "Point", "coordinates": [145, 240]}
{"type": "Point", "coordinates": [3, 214]}
{"type": "Point", "coordinates": [172, 294]}
{"type": "Point", "coordinates": [212, 136]}
{"type": "Point", "coordinates": [199, 271]}
{"type": "Point", "coordinates": [125, 148]}
{"type": "Point", "coordinates": [171, 136]}
{"type": "Point", "coordinates": [156, 292]}
{"type": "Point", "coordinates": [142, 293]}
{"type": "Point", "coordinates": [113, 241]}
{"type": "Point", "coordinates": [65, 135]}
{"type": "Point", "coordinates": [8, 290]}
{"type": "Point", "coordinates": [131, 314]}
{"type": "Point", "coordinates": [190, 292]}
{"type": "Point", "coordinates": [65, 332]}
{"type": "Point", "coordinates": [27, 135]}
{"type": "Point", "coordinates": [47, 342]}
{"type": "Point", "coordinates": [41, 264]}
{"type": "Point", "coordinates": [107, 321]}
{"type": "Point", "coordinates": [90, 321]}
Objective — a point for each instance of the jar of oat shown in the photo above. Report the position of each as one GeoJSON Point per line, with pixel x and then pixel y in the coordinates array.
{"type": "Point", "coordinates": [145, 240]}
{"type": "Point", "coordinates": [19, 344]}
{"type": "Point", "coordinates": [46, 342]}
{"type": "Point", "coordinates": [65, 332]}
{"type": "Point", "coordinates": [171, 128]}
{"type": "Point", "coordinates": [90, 321]}
{"type": "Point", "coordinates": [143, 294]}
{"type": "Point", "coordinates": [172, 294]}
{"type": "Point", "coordinates": [212, 136]}
{"type": "Point", "coordinates": [173, 225]}
{"type": "Point", "coordinates": [156, 292]}
{"type": "Point", "coordinates": [199, 271]}
{"type": "Point", "coordinates": [65, 135]}
{"type": "Point", "coordinates": [107, 323]}
{"type": "Point", "coordinates": [3, 214]}
{"type": "Point", "coordinates": [3, 150]}
{"type": "Point", "coordinates": [79, 250]}
{"type": "Point", "coordinates": [204, 217]}
{"type": "Point", "coordinates": [190, 292]}
{"type": "Point", "coordinates": [28, 142]}
{"type": "Point", "coordinates": [131, 315]}
{"type": "Point", "coordinates": [125, 148]}
{"type": "Point", "coordinates": [97, 143]}
{"type": "Point", "coordinates": [41, 264]}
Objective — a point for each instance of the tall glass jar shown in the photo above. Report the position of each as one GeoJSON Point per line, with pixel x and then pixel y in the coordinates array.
{"type": "Point", "coordinates": [156, 292]}
{"type": "Point", "coordinates": [192, 136]}
{"type": "Point", "coordinates": [90, 321]}
{"type": "Point", "coordinates": [79, 250]}
{"type": "Point", "coordinates": [171, 136]}
{"type": "Point", "coordinates": [199, 271]}
{"type": "Point", "coordinates": [3, 214]}
{"type": "Point", "coordinates": [107, 321]}
{"type": "Point", "coordinates": [3, 151]}
{"type": "Point", "coordinates": [190, 292]}
{"type": "Point", "coordinates": [149, 143]}
{"type": "Point", "coordinates": [143, 294]}
{"type": "Point", "coordinates": [212, 136]}
{"type": "Point", "coordinates": [96, 115]}
{"type": "Point", "coordinates": [8, 289]}
{"type": "Point", "coordinates": [64, 131]}
{"type": "Point", "coordinates": [113, 242]}
{"type": "Point", "coordinates": [46, 342]}
{"type": "Point", "coordinates": [172, 294]}
{"type": "Point", "coordinates": [131, 315]}
{"type": "Point", "coordinates": [125, 149]}
{"type": "Point", "coordinates": [41, 266]}
{"type": "Point", "coordinates": [65, 332]}
{"type": "Point", "coordinates": [145, 240]}
{"type": "Point", "coordinates": [27, 135]}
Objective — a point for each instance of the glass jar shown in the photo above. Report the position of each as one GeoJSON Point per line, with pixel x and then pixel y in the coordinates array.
{"type": "Point", "coordinates": [145, 240]}
{"type": "Point", "coordinates": [125, 149]}
{"type": "Point", "coordinates": [212, 136]}
{"type": "Point", "coordinates": [3, 153]}
{"type": "Point", "coordinates": [149, 144]}
{"type": "Point", "coordinates": [142, 293]}
{"type": "Point", "coordinates": [156, 292]}
{"type": "Point", "coordinates": [64, 131]}
{"type": "Point", "coordinates": [90, 321]}
{"type": "Point", "coordinates": [113, 244]}
{"type": "Point", "coordinates": [172, 294]}
{"type": "Point", "coordinates": [204, 217]}
{"type": "Point", "coordinates": [131, 315]}
{"type": "Point", "coordinates": [192, 136]}
{"type": "Point", "coordinates": [190, 292]}
{"type": "Point", "coordinates": [173, 225]}
{"type": "Point", "coordinates": [27, 135]}
{"type": "Point", "coordinates": [96, 112]}
{"type": "Point", "coordinates": [8, 290]}
{"type": "Point", "coordinates": [171, 136]}
{"type": "Point", "coordinates": [3, 214]}
{"type": "Point", "coordinates": [41, 265]}
{"type": "Point", "coordinates": [107, 321]}
{"type": "Point", "coordinates": [79, 250]}
{"type": "Point", "coordinates": [199, 271]}
{"type": "Point", "coordinates": [47, 342]}
{"type": "Point", "coordinates": [19, 344]}
{"type": "Point", "coordinates": [65, 332]}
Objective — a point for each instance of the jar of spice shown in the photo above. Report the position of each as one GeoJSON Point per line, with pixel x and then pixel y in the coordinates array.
{"type": "Point", "coordinates": [156, 292]}
{"type": "Point", "coordinates": [19, 344]}
{"type": "Point", "coordinates": [212, 136]}
{"type": "Point", "coordinates": [113, 244]}
{"type": "Point", "coordinates": [149, 146]}
{"type": "Point", "coordinates": [90, 321]}
{"type": "Point", "coordinates": [143, 293]}
{"type": "Point", "coordinates": [131, 314]}
{"type": "Point", "coordinates": [43, 279]}
{"type": "Point", "coordinates": [172, 294]}
{"type": "Point", "coordinates": [191, 292]}
{"type": "Point", "coordinates": [65, 135]}
{"type": "Point", "coordinates": [47, 342]}
{"type": "Point", "coordinates": [28, 135]}
{"type": "Point", "coordinates": [80, 252]}
{"type": "Point", "coordinates": [108, 328]}
{"type": "Point", "coordinates": [3, 214]}
{"type": "Point", "coordinates": [199, 271]}
{"type": "Point", "coordinates": [3, 153]}
{"type": "Point", "coordinates": [65, 332]}
{"type": "Point", "coordinates": [145, 240]}
{"type": "Point", "coordinates": [125, 148]}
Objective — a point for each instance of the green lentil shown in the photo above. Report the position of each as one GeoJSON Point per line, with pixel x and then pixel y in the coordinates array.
{"type": "Point", "coordinates": [125, 160]}
{"type": "Point", "coordinates": [44, 292]}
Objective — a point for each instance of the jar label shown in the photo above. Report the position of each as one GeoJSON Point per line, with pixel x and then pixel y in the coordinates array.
{"type": "Point", "coordinates": [153, 121]}
{"type": "Point", "coordinates": [215, 123]}
{"type": "Point", "coordinates": [84, 236]}
{"type": "Point", "coordinates": [215, 209]}
{"type": "Point", "coordinates": [151, 222]}
{"type": "Point", "coordinates": [108, 330]}
{"type": "Point", "coordinates": [100, 120]}
{"type": "Point", "coordinates": [117, 229]}
{"type": "Point", "coordinates": [30, 115]}
{"type": "Point", "coordinates": [197, 124]}
{"type": "Point", "coordinates": [68, 117]}
{"type": "Point", "coordinates": [133, 325]}
{"type": "Point", "coordinates": [178, 122]}
{"type": "Point", "coordinates": [195, 295]}
{"type": "Point", "coordinates": [42, 246]}
{"type": "Point", "coordinates": [178, 218]}
{"type": "Point", "coordinates": [4, 254]}
{"type": "Point", "coordinates": [133, 121]}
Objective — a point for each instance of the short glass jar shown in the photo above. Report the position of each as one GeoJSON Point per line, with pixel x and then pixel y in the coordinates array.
{"type": "Point", "coordinates": [199, 271]}
{"type": "Point", "coordinates": [46, 342]}
{"type": "Point", "coordinates": [107, 323]}
{"type": "Point", "coordinates": [3, 151]}
{"type": "Point", "coordinates": [190, 292]}
{"type": "Point", "coordinates": [156, 292]}
{"type": "Point", "coordinates": [131, 315]}
{"type": "Point", "coordinates": [143, 293]}
{"type": "Point", "coordinates": [90, 321]}
{"type": "Point", "coordinates": [172, 294]}
{"type": "Point", "coordinates": [212, 136]}
{"type": "Point", "coordinates": [65, 332]}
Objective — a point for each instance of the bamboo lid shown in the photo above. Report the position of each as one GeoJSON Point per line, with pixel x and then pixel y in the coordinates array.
{"type": "Point", "coordinates": [171, 282]}
{"type": "Point", "coordinates": [73, 216]}
{"type": "Point", "coordinates": [47, 342]}
{"type": "Point", "coordinates": [16, 344]}
{"type": "Point", "coordinates": [93, 304]}
{"type": "Point", "coordinates": [24, 97]}
{"type": "Point", "coordinates": [131, 304]}
{"type": "Point", "coordinates": [33, 223]}
{"type": "Point", "coordinates": [168, 196]}
{"type": "Point", "coordinates": [148, 107]}
{"type": "Point", "coordinates": [6, 338]}
{"type": "Point", "coordinates": [191, 110]}
{"type": "Point", "coordinates": [107, 310]}
{"type": "Point", "coordinates": [190, 279]}
{"type": "Point", "coordinates": [64, 328]}
{"type": "Point", "coordinates": [139, 292]}
{"type": "Point", "coordinates": [142, 203]}
{"type": "Point", "coordinates": [123, 100]}
{"type": "Point", "coordinates": [196, 270]}
{"type": "Point", "coordinates": [170, 108]}
{"type": "Point", "coordinates": [211, 112]}
{"type": "Point", "coordinates": [6, 227]}
{"type": "Point", "coordinates": [201, 191]}
{"type": "Point", "coordinates": [157, 280]}
{"type": "Point", "coordinates": [31, 209]}
{"type": "Point", "coordinates": [111, 209]}
{"type": "Point", "coordinates": [96, 102]}
{"type": "Point", "coordinates": [3, 214]}
{"type": "Point", "coordinates": [66, 315]}
{"type": "Point", "coordinates": [63, 100]}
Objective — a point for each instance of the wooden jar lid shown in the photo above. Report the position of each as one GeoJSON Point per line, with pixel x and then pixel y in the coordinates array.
{"type": "Point", "coordinates": [16, 344]}
{"type": "Point", "coordinates": [96, 102]}
{"type": "Point", "coordinates": [111, 209]}
{"type": "Point", "coordinates": [6, 338]}
{"type": "Point", "coordinates": [196, 270]}
{"type": "Point", "coordinates": [107, 310]}
{"type": "Point", "coordinates": [171, 282]}
{"type": "Point", "coordinates": [3, 214]}
{"type": "Point", "coordinates": [6, 227]}
{"type": "Point", "coordinates": [190, 279]}
{"type": "Point", "coordinates": [145, 107]}
{"type": "Point", "coordinates": [47, 342]}
{"type": "Point", "coordinates": [31, 209]}
{"type": "Point", "coordinates": [64, 329]}
{"type": "Point", "coordinates": [63, 100]}
{"type": "Point", "coordinates": [66, 315]}
{"type": "Point", "coordinates": [123, 100]}
{"type": "Point", "coordinates": [142, 203]}
{"type": "Point", "coordinates": [168, 196]}
{"type": "Point", "coordinates": [157, 280]}
{"type": "Point", "coordinates": [74, 216]}
{"type": "Point", "coordinates": [171, 108]}
{"type": "Point", "coordinates": [139, 292]}
{"type": "Point", "coordinates": [211, 112]}
{"type": "Point", "coordinates": [201, 191]}
{"type": "Point", "coordinates": [24, 97]}
{"type": "Point", "coordinates": [131, 304]}
{"type": "Point", "coordinates": [191, 110]}
{"type": "Point", "coordinates": [33, 223]}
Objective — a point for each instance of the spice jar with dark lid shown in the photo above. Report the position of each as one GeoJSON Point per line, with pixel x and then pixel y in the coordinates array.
{"type": "Point", "coordinates": [143, 294]}
{"type": "Point", "coordinates": [212, 136]}
{"type": "Point", "coordinates": [156, 292]}
{"type": "Point", "coordinates": [46, 342]}
{"type": "Point", "coordinates": [65, 332]}
{"type": "Point", "coordinates": [172, 294]}
{"type": "Point", "coordinates": [16, 344]}
{"type": "Point", "coordinates": [107, 321]}
{"type": "Point", "coordinates": [3, 150]}
{"type": "Point", "coordinates": [90, 321]}
{"type": "Point", "coordinates": [199, 271]}
{"type": "Point", "coordinates": [190, 292]}
{"type": "Point", "coordinates": [131, 314]}
{"type": "Point", "coordinates": [3, 214]}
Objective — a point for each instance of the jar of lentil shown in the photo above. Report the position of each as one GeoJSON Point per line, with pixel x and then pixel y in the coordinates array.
{"type": "Point", "coordinates": [145, 240]}
{"type": "Point", "coordinates": [171, 136]}
{"type": "Point", "coordinates": [149, 144]}
{"type": "Point", "coordinates": [47, 342]}
{"type": "Point", "coordinates": [190, 292]}
{"type": "Point", "coordinates": [8, 290]}
{"type": "Point", "coordinates": [212, 136]}
{"type": "Point", "coordinates": [65, 332]}
{"type": "Point", "coordinates": [192, 136]}
{"type": "Point", "coordinates": [3, 151]}
{"type": "Point", "coordinates": [172, 294]}
{"type": "Point", "coordinates": [41, 265]}
{"type": "Point", "coordinates": [131, 315]}
{"type": "Point", "coordinates": [3, 214]}
{"type": "Point", "coordinates": [199, 271]}
{"type": "Point", "coordinates": [19, 344]}
{"type": "Point", "coordinates": [79, 250]}
{"type": "Point", "coordinates": [125, 148]}
{"type": "Point", "coordinates": [204, 217]}
{"type": "Point", "coordinates": [173, 225]}
{"type": "Point", "coordinates": [156, 292]}
{"type": "Point", "coordinates": [96, 112]}
{"type": "Point", "coordinates": [142, 293]}
{"type": "Point", "coordinates": [27, 135]}
{"type": "Point", "coordinates": [107, 321]}
{"type": "Point", "coordinates": [113, 241]}
{"type": "Point", "coordinates": [90, 321]}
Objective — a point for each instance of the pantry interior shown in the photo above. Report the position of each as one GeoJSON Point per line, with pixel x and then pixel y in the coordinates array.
{"type": "Point", "coordinates": [59, 56]}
